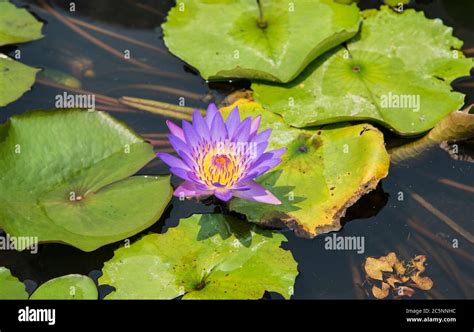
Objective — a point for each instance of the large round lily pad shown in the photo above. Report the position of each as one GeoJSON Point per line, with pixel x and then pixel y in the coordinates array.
{"type": "Point", "coordinates": [15, 79]}
{"type": "Point", "coordinates": [396, 72]}
{"type": "Point", "coordinates": [204, 257]}
{"type": "Point", "coordinates": [223, 38]}
{"type": "Point", "coordinates": [17, 25]}
{"type": "Point", "coordinates": [323, 172]}
{"type": "Point", "coordinates": [65, 178]}
{"type": "Point", "coordinates": [69, 287]}
{"type": "Point", "coordinates": [10, 287]}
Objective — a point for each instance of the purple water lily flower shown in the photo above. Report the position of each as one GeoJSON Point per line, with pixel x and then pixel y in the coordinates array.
{"type": "Point", "coordinates": [221, 158]}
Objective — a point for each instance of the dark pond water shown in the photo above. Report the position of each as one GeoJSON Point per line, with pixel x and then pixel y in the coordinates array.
{"type": "Point", "coordinates": [380, 217]}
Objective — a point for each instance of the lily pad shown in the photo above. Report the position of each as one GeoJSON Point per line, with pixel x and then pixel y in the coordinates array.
{"type": "Point", "coordinates": [15, 79]}
{"type": "Point", "coordinates": [229, 38]}
{"type": "Point", "coordinates": [396, 72]}
{"type": "Point", "coordinates": [17, 25]}
{"type": "Point", "coordinates": [204, 257]}
{"type": "Point", "coordinates": [69, 287]}
{"type": "Point", "coordinates": [65, 177]}
{"type": "Point", "coordinates": [323, 172]}
{"type": "Point", "coordinates": [10, 287]}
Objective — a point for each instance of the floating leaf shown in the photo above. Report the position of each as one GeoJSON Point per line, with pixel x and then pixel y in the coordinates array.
{"type": "Point", "coordinates": [396, 275]}
{"type": "Point", "coordinates": [227, 39]}
{"type": "Point", "coordinates": [15, 79]}
{"type": "Point", "coordinates": [423, 283]}
{"type": "Point", "coordinates": [10, 287]}
{"type": "Point", "coordinates": [65, 178]}
{"type": "Point", "coordinates": [457, 126]}
{"type": "Point", "coordinates": [204, 257]}
{"type": "Point", "coordinates": [378, 77]}
{"type": "Point", "coordinates": [17, 25]}
{"type": "Point", "coordinates": [323, 172]}
{"type": "Point", "coordinates": [419, 263]}
{"type": "Point", "coordinates": [381, 293]}
{"type": "Point", "coordinates": [374, 267]}
{"type": "Point", "coordinates": [69, 287]}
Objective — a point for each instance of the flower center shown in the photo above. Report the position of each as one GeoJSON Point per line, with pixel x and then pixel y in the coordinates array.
{"type": "Point", "coordinates": [221, 161]}
{"type": "Point", "coordinates": [219, 167]}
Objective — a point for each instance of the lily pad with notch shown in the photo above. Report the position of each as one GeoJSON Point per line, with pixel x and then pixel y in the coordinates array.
{"type": "Point", "coordinates": [256, 39]}
{"type": "Point", "coordinates": [66, 177]}
{"type": "Point", "coordinates": [323, 172]}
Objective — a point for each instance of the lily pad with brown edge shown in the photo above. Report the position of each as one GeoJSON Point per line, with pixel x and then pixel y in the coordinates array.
{"type": "Point", "coordinates": [455, 127]}
{"type": "Point", "coordinates": [66, 176]}
{"type": "Point", "coordinates": [378, 76]}
{"type": "Point", "coordinates": [205, 257]}
{"type": "Point", "coordinates": [242, 39]}
{"type": "Point", "coordinates": [323, 172]}
{"type": "Point", "coordinates": [10, 287]}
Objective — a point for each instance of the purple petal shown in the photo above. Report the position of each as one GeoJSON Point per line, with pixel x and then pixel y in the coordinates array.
{"type": "Point", "coordinates": [172, 161]}
{"type": "Point", "coordinates": [211, 113]}
{"type": "Point", "coordinates": [192, 138]}
{"type": "Point", "coordinates": [255, 125]}
{"type": "Point", "coordinates": [274, 154]}
{"type": "Point", "coordinates": [179, 172]}
{"type": "Point", "coordinates": [243, 182]}
{"type": "Point", "coordinates": [256, 192]}
{"type": "Point", "coordinates": [262, 137]}
{"type": "Point", "coordinates": [180, 147]}
{"type": "Point", "coordinates": [223, 195]}
{"type": "Point", "coordinates": [266, 165]}
{"type": "Point", "coordinates": [175, 130]}
{"type": "Point", "coordinates": [233, 121]}
{"type": "Point", "coordinates": [200, 125]}
{"type": "Point", "coordinates": [218, 128]}
{"type": "Point", "coordinates": [259, 149]}
{"type": "Point", "coordinates": [188, 189]}
{"type": "Point", "coordinates": [242, 132]}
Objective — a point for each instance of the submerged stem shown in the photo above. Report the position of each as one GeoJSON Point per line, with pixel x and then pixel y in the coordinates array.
{"type": "Point", "coordinates": [262, 21]}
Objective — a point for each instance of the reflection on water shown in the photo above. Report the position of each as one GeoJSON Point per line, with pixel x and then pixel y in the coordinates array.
{"type": "Point", "coordinates": [387, 221]}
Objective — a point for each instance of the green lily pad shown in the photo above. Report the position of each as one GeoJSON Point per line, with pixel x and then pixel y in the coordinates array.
{"type": "Point", "coordinates": [17, 25]}
{"type": "Point", "coordinates": [65, 177]}
{"type": "Point", "coordinates": [204, 257]}
{"type": "Point", "coordinates": [69, 287]}
{"type": "Point", "coordinates": [396, 72]}
{"type": "Point", "coordinates": [10, 287]}
{"type": "Point", "coordinates": [323, 172]}
{"type": "Point", "coordinates": [15, 79]}
{"type": "Point", "coordinates": [223, 38]}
